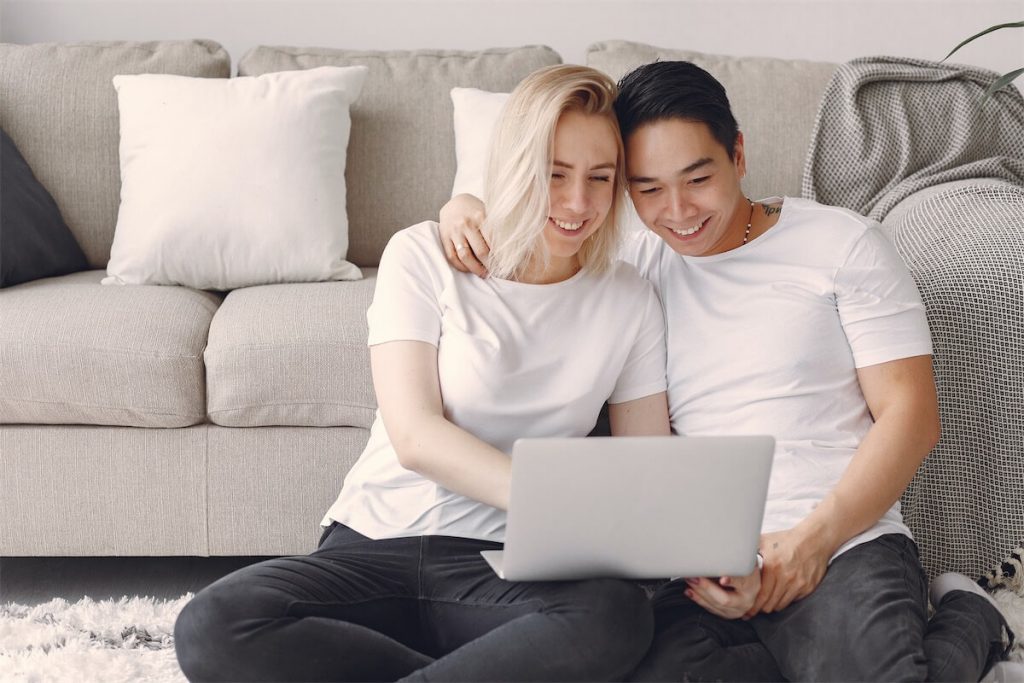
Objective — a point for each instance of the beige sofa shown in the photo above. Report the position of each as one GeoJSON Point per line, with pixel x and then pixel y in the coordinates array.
{"type": "Point", "coordinates": [148, 420]}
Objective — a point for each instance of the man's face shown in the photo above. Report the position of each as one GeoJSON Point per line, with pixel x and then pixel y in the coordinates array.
{"type": "Point", "coordinates": [685, 186]}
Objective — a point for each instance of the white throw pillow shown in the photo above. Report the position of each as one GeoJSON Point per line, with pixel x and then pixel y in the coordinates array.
{"type": "Point", "coordinates": [227, 183]}
{"type": "Point", "coordinates": [476, 115]}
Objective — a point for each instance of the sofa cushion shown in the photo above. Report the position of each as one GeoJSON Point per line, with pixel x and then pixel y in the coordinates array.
{"type": "Point", "coordinates": [75, 352]}
{"type": "Point", "coordinates": [292, 354]}
{"type": "Point", "coordinates": [58, 103]}
{"type": "Point", "coordinates": [34, 239]}
{"type": "Point", "coordinates": [775, 102]}
{"type": "Point", "coordinates": [401, 159]}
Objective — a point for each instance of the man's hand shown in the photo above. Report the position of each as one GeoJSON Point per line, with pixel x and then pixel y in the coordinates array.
{"type": "Point", "coordinates": [794, 564]}
{"type": "Point", "coordinates": [729, 597]}
{"type": "Point", "coordinates": [464, 246]}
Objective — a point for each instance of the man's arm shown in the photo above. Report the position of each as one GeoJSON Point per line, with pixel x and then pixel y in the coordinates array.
{"type": "Point", "coordinates": [902, 399]}
{"type": "Point", "coordinates": [409, 395]}
{"type": "Point", "coordinates": [464, 246]}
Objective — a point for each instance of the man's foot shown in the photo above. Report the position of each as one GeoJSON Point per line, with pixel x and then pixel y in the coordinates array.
{"type": "Point", "coordinates": [952, 582]}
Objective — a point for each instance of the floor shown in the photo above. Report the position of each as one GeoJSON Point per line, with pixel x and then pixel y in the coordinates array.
{"type": "Point", "coordinates": [34, 580]}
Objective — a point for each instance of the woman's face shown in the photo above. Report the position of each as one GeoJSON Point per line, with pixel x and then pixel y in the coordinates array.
{"type": "Point", "coordinates": [582, 181]}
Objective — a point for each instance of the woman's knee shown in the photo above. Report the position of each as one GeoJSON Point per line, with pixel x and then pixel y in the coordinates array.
{"type": "Point", "coordinates": [208, 632]}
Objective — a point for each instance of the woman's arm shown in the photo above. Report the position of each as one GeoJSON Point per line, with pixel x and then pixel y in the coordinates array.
{"type": "Point", "coordinates": [647, 416]}
{"type": "Point", "coordinates": [409, 396]}
{"type": "Point", "coordinates": [460, 221]}
{"type": "Point", "coordinates": [902, 399]}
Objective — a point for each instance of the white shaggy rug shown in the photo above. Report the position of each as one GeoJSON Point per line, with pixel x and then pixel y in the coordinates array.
{"type": "Point", "coordinates": [111, 641]}
{"type": "Point", "coordinates": [131, 639]}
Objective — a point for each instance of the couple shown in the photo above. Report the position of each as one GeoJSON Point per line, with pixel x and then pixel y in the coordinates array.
{"type": "Point", "coordinates": [780, 316]}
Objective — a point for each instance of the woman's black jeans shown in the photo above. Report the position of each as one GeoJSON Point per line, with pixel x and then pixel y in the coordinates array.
{"type": "Point", "coordinates": [418, 608]}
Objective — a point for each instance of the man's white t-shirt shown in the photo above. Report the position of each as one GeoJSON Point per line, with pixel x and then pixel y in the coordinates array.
{"type": "Point", "coordinates": [767, 338]}
{"type": "Point", "coordinates": [514, 360]}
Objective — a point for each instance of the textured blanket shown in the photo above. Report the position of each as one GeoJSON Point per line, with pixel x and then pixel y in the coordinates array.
{"type": "Point", "coordinates": [900, 132]}
{"type": "Point", "coordinates": [889, 127]}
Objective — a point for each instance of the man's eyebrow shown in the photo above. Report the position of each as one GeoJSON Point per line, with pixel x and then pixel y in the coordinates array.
{"type": "Point", "coordinates": [689, 169]}
{"type": "Point", "coordinates": [562, 164]}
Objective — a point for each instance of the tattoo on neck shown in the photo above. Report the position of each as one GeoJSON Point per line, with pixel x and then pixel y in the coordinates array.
{"type": "Point", "coordinates": [771, 209]}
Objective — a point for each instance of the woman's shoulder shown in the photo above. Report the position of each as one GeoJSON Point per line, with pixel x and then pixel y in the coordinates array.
{"type": "Point", "coordinates": [418, 243]}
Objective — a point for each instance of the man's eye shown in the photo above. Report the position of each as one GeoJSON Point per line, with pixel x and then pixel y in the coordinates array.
{"type": "Point", "coordinates": [649, 190]}
{"type": "Point", "coordinates": [698, 181]}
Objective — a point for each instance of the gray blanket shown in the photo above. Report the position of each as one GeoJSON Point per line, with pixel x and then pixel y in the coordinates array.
{"type": "Point", "coordinates": [899, 130]}
{"type": "Point", "coordinates": [889, 127]}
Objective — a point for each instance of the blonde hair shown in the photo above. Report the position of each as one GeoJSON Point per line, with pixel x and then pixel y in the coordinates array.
{"type": "Point", "coordinates": [517, 188]}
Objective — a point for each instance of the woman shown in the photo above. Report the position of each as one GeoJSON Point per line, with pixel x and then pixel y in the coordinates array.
{"type": "Point", "coordinates": [462, 367]}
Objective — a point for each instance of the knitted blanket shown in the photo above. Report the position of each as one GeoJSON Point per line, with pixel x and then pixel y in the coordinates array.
{"type": "Point", "coordinates": [895, 130]}
{"type": "Point", "coordinates": [889, 127]}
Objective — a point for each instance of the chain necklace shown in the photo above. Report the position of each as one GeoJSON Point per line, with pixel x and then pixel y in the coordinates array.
{"type": "Point", "coordinates": [750, 219]}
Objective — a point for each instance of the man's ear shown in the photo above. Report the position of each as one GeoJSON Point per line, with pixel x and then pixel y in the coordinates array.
{"type": "Point", "coordinates": [739, 155]}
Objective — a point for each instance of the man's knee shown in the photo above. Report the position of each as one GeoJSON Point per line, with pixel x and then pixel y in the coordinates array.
{"type": "Point", "coordinates": [619, 625]}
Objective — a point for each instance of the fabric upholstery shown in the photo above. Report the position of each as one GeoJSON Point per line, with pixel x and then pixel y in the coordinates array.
{"type": "Point", "coordinates": [57, 101]}
{"type": "Point", "coordinates": [292, 354]}
{"type": "Point", "coordinates": [75, 352]}
{"type": "Point", "coordinates": [269, 487]}
{"type": "Point", "coordinates": [34, 239]}
{"type": "Point", "coordinates": [775, 102]}
{"type": "Point", "coordinates": [401, 161]}
{"type": "Point", "coordinates": [76, 491]}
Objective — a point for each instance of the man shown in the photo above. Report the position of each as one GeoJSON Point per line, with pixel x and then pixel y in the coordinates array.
{"type": "Point", "coordinates": [795, 319]}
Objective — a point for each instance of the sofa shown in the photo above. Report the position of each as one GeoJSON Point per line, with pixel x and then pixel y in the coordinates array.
{"type": "Point", "coordinates": [163, 420]}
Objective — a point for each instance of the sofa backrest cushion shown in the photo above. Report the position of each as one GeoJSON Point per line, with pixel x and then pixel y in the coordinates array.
{"type": "Point", "coordinates": [58, 104]}
{"type": "Point", "coordinates": [775, 102]}
{"type": "Point", "coordinates": [401, 154]}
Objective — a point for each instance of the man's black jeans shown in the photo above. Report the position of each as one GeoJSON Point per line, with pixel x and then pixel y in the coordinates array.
{"type": "Point", "coordinates": [866, 621]}
{"type": "Point", "coordinates": [419, 608]}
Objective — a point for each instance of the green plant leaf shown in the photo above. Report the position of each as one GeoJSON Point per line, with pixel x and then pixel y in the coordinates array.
{"type": "Point", "coordinates": [1000, 82]}
{"type": "Point", "coordinates": [1017, 24]}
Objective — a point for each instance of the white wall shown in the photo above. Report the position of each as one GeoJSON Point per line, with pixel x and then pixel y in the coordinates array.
{"type": "Point", "coordinates": [828, 30]}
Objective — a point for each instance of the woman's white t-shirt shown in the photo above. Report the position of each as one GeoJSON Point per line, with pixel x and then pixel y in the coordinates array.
{"type": "Point", "coordinates": [767, 339]}
{"type": "Point", "coordinates": [514, 360]}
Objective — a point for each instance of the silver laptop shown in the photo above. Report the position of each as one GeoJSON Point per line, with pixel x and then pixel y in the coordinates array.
{"type": "Point", "coordinates": [634, 507]}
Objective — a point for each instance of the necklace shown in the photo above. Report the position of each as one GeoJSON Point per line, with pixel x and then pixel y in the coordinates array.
{"type": "Point", "coordinates": [750, 219]}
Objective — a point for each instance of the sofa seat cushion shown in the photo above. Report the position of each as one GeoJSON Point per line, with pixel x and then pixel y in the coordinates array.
{"type": "Point", "coordinates": [292, 355]}
{"type": "Point", "coordinates": [75, 352]}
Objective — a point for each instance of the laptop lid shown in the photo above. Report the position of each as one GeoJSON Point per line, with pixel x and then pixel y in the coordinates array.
{"type": "Point", "coordinates": [635, 507]}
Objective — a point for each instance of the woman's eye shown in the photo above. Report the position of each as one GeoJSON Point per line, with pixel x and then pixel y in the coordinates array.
{"type": "Point", "coordinates": [557, 176]}
{"type": "Point", "coordinates": [601, 178]}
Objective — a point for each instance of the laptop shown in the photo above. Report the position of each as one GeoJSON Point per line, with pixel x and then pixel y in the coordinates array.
{"type": "Point", "coordinates": [634, 507]}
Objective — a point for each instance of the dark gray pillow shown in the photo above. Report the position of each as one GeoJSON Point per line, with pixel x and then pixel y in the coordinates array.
{"type": "Point", "coordinates": [35, 241]}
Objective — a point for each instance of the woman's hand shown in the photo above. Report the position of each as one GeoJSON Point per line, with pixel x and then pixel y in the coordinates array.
{"type": "Point", "coordinates": [464, 245]}
{"type": "Point", "coordinates": [794, 565]}
{"type": "Point", "coordinates": [728, 597]}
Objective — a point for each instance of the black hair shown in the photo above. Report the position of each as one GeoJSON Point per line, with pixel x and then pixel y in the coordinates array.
{"type": "Point", "coordinates": [675, 90]}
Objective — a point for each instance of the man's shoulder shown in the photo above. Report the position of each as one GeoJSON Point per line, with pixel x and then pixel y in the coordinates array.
{"type": "Point", "coordinates": [828, 216]}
